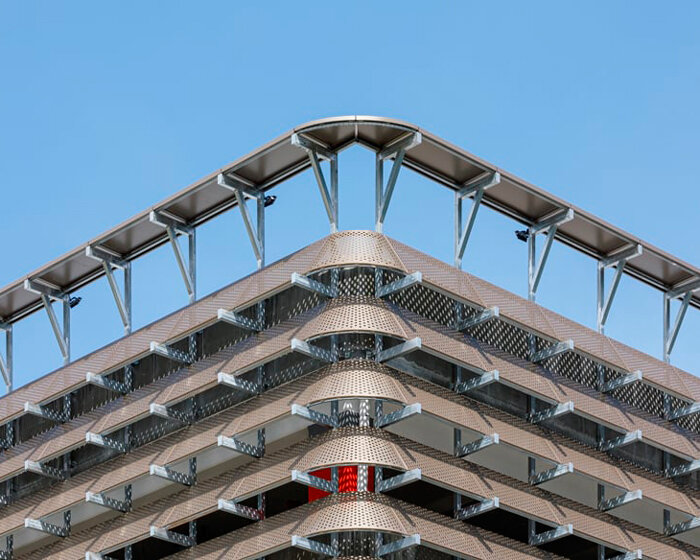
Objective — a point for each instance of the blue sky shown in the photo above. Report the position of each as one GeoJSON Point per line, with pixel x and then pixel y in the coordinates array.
{"type": "Point", "coordinates": [108, 107]}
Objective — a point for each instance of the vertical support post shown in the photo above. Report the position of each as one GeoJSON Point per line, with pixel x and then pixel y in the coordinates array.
{"type": "Point", "coordinates": [456, 497]}
{"type": "Point", "coordinates": [670, 333]}
{"type": "Point", "coordinates": [110, 261]}
{"type": "Point", "coordinates": [535, 267]}
{"type": "Point", "coordinates": [175, 227]}
{"type": "Point", "coordinates": [618, 260]}
{"type": "Point", "coordinates": [6, 366]}
{"type": "Point", "coordinates": [474, 188]}
{"type": "Point", "coordinates": [48, 294]}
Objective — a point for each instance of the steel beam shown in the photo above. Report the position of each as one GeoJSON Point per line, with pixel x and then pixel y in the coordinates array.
{"type": "Point", "coordinates": [398, 545]}
{"type": "Point", "coordinates": [37, 467]}
{"type": "Point", "coordinates": [549, 536]}
{"type": "Point", "coordinates": [683, 527]}
{"type": "Point", "coordinates": [314, 416]}
{"type": "Point", "coordinates": [625, 439]}
{"type": "Point", "coordinates": [681, 470]}
{"type": "Point", "coordinates": [174, 227]}
{"type": "Point", "coordinates": [550, 224]}
{"type": "Point", "coordinates": [477, 509]}
{"type": "Point", "coordinates": [6, 363]}
{"type": "Point", "coordinates": [171, 413]}
{"type": "Point", "coordinates": [553, 350]}
{"type": "Point", "coordinates": [46, 413]}
{"type": "Point", "coordinates": [621, 381]}
{"type": "Point", "coordinates": [238, 320]}
{"type": "Point", "coordinates": [400, 284]}
{"type": "Point", "coordinates": [618, 260]}
{"type": "Point", "coordinates": [401, 414]}
{"type": "Point", "coordinates": [330, 486]}
{"type": "Point", "coordinates": [49, 292]}
{"type": "Point", "coordinates": [397, 481]}
{"type": "Point", "coordinates": [313, 285]}
{"type": "Point", "coordinates": [484, 380]}
{"type": "Point", "coordinates": [685, 292]}
{"type": "Point", "coordinates": [692, 408]}
{"type": "Point", "coordinates": [399, 350]}
{"type": "Point", "coordinates": [62, 531]}
{"type": "Point", "coordinates": [312, 351]}
{"type": "Point", "coordinates": [230, 506]}
{"type": "Point", "coordinates": [383, 193]}
{"type": "Point", "coordinates": [106, 442]}
{"type": "Point", "coordinates": [316, 151]}
{"type": "Point", "coordinates": [618, 501]}
{"type": "Point", "coordinates": [314, 546]}
{"type": "Point", "coordinates": [101, 499]}
{"type": "Point", "coordinates": [171, 353]}
{"type": "Point", "coordinates": [235, 382]}
{"type": "Point", "coordinates": [233, 443]}
{"type": "Point", "coordinates": [481, 317]}
{"type": "Point", "coordinates": [478, 445]}
{"type": "Point", "coordinates": [106, 383]}
{"type": "Point", "coordinates": [475, 189]}
{"type": "Point", "coordinates": [176, 538]}
{"type": "Point", "coordinates": [550, 474]}
{"type": "Point", "coordinates": [168, 473]}
{"type": "Point", "coordinates": [256, 233]}
{"type": "Point", "coordinates": [552, 412]}
{"type": "Point", "coordinates": [110, 261]}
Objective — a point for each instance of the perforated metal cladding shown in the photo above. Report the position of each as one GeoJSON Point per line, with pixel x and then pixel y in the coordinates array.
{"type": "Point", "coordinates": [423, 301]}
{"type": "Point", "coordinates": [356, 247]}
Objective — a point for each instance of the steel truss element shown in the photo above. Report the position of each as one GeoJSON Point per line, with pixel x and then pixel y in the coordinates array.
{"type": "Point", "coordinates": [6, 366]}
{"type": "Point", "coordinates": [683, 291]}
{"type": "Point", "coordinates": [473, 189]}
{"type": "Point", "coordinates": [99, 380]}
{"type": "Point", "coordinates": [42, 469]}
{"type": "Point", "coordinates": [400, 284]}
{"type": "Point", "coordinates": [315, 416]}
{"type": "Point", "coordinates": [168, 473]}
{"type": "Point", "coordinates": [106, 442]}
{"type": "Point", "coordinates": [622, 381]}
{"type": "Point", "coordinates": [235, 382]}
{"type": "Point", "coordinates": [313, 285]}
{"type": "Point", "coordinates": [50, 293]}
{"type": "Point", "coordinates": [398, 545]}
{"type": "Point", "coordinates": [247, 512]}
{"type": "Point", "coordinates": [548, 224]}
{"type": "Point", "coordinates": [618, 260]}
{"type": "Point", "coordinates": [692, 408]}
{"type": "Point", "coordinates": [171, 353]}
{"type": "Point", "coordinates": [462, 450]}
{"type": "Point", "coordinates": [552, 412]}
{"type": "Point", "coordinates": [101, 499]}
{"type": "Point", "coordinates": [481, 317]}
{"type": "Point", "coordinates": [620, 441]}
{"type": "Point", "coordinates": [402, 413]}
{"type": "Point", "coordinates": [399, 350]}
{"type": "Point", "coordinates": [110, 261]}
{"type": "Point", "coordinates": [681, 470]}
{"type": "Point", "coordinates": [171, 413]}
{"type": "Point", "coordinates": [330, 486]}
{"type": "Point", "coordinates": [315, 546]}
{"type": "Point", "coordinates": [238, 320]}
{"type": "Point", "coordinates": [616, 501]}
{"type": "Point", "coordinates": [176, 226]}
{"type": "Point", "coordinates": [62, 531]}
{"type": "Point", "coordinates": [678, 528]}
{"type": "Point", "coordinates": [384, 485]}
{"type": "Point", "coordinates": [316, 152]}
{"type": "Point", "coordinates": [313, 351]}
{"type": "Point", "coordinates": [48, 414]}
{"type": "Point", "coordinates": [245, 189]}
{"type": "Point", "coordinates": [484, 380]}
{"type": "Point", "coordinates": [187, 541]}
{"type": "Point", "coordinates": [477, 509]}
{"type": "Point", "coordinates": [396, 151]}
{"type": "Point", "coordinates": [9, 439]}
{"type": "Point", "coordinates": [235, 444]}
{"type": "Point", "coordinates": [536, 478]}
{"type": "Point", "coordinates": [537, 539]}
{"type": "Point", "coordinates": [553, 350]}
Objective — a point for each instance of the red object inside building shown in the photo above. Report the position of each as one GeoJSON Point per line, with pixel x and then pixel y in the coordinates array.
{"type": "Point", "coordinates": [347, 481]}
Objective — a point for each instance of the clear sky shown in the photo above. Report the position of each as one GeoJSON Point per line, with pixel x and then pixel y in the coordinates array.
{"type": "Point", "coordinates": [108, 107]}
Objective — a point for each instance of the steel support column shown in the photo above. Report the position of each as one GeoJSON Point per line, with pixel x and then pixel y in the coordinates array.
{"type": "Point", "coordinates": [109, 262]}
{"type": "Point", "coordinates": [50, 293]}
{"type": "Point", "coordinates": [174, 227]}
{"type": "Point", "coordinates": [473, 189]}
{"type": "Point", "coordinates": [683, 291]}
{"type": "Point", "coordinates": [6, 362]}
{"type": "Point", "coordinates": [396, 151]}
{"type": "Point", "coordinates": [618, 260]}
{"type": "Point", "coordinates": [548, 224]}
